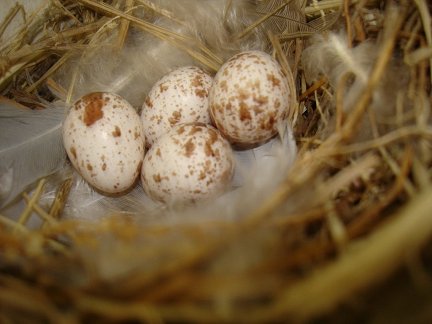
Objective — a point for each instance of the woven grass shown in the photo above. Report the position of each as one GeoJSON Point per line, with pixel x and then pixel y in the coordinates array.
{"type": "Point", "coordinates": [346, 236]}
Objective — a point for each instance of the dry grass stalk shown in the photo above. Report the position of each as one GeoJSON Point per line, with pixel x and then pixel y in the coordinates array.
{"type": "Point", "coordinates": [202, 55]}
{"type": "Point", "coordinates": [347, 215]}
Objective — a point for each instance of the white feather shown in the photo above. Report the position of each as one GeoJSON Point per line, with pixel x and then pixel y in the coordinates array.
{"type": "Point", "coordinates": [330, 55]}
{"type": "Point", "coordinates": [257, 172]}
{"type": "Point", "coordinates": [144, 58]}
{"type": "Point", "coordinates": [85, 203]}
{"type": "Point", "coordinates": [30, 148]}
{"type": "Point", "coordinates": [350, 58]}
{"type": "Point", "coordinates": [132, 73]}
{"type": "Point", "coordinates": [216, 21]}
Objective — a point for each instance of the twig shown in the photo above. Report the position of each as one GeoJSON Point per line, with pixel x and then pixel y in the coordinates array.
{"type": "Point", "coordinates": [314, 87]}
{"type": "Point", "coordinates": [49, 72]}
{"type": "Point", "coordinates": [124, 25]}
{"type": "Point", "coordinates": [348, 25]}
{"type": "Point", "coordinates": [34, 199]}
{"type": "Point", "coordinates": [427, 26]}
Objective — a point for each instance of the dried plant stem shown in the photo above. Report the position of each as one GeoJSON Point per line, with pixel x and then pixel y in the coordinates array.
{"type": "Point", "coordinates": [427, 26]}
{"type": "Point", "coordinates": [49, 72]}
{"type": "Point", "coordinates": [17, 296]}
{"type": "Point", "coordinates": [160, 11]}
{"type": "Point", "coordinates": [9, 17]}
{"type": "Point", "coordinates": [346, 215]}
{"type": "Point", "coordinates": [409, 188]}
{"type": "Point", "coordinates": [395, 18]}
{"type": "Point", "coordinates": [318, 7]}
{"type": "Point", "coordinates": [328, 189]}
{"type": "Point", "coordinates": [300, 175]}
{"type": "Point", "coordinates": [340, 109]}
{"type": "Point", "coordinates": [124, 25]}
{"type": "Point", "coordinates": [30, 54]}
{"type": "Point", "coordinates": [348, 25]}
{"type": "Point", "coordinates": [188, 260]}
{"type": "Point", "coordinates": [42, 213]}
{"type": "Point", "coordinates": [288, 74]}
{"type": "Point", "coordinates": [61, 196]}
{"type": "Point", "coordinates": [337, 230]}
{"type": "Point", "coordinates": [418, 55]}
{"type": "Point", "coordinates": [394, 136]}
{"type": "Point", "coordinates": [12, 224]}
{"type": "Point", "coordinates": [206, 57]}
{"type": "Point", "coordinates": [314, 87]}
{"type": "Point", "coordinates": [358, 268]}
{"type": "Point", "coordinates": [57, 89]}
{"type": "Point", "coordinates": [34, 199]}
{"type": "Point", "coordinates": [298, 219]}
{"type": "Point", "coordinates": [20, 229]}
{"type": "Point", "coordinates": [360, 225]}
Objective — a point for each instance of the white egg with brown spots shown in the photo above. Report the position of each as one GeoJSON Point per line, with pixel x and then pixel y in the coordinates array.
{"type": "Point", "coordinates": [189, 163]}
{"type": "Point", "coordinates": [179, 97]}
{"type": "Point", "coordinates": [103, 138]}
{"type": "Point", "coordinates": [250, 96]}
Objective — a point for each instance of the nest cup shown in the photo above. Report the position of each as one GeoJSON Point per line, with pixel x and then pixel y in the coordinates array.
{"type": "Point", "coordinates": [341, 233]}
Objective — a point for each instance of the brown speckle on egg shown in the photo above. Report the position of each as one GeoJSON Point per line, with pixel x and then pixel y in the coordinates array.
{"type": "Point", "coordinates": [163, 87]}
{"type": "Point", "coordinates": [202, 175]}
{"type": "Point", "coordinates": [180, 130]}
{"type": "Point", "coordinates": [189, 148]}
{"type": "Point", "coordinates": [244, 112]}
{"type": "Point", "coordinates": [148, 102]}
{"type": "Point", "coordinates": [202, 93]}
{"type": "Point", "coordinates": [208, 149]}
{"type": "Point", "coordinates": [73, 152]}
{"type": "Point", "coordinates": [275, 81]}
{"type": "Point", "coordinates": [174, 119]}
{"type": "Point", "coordinates": [195, 129]}
{"type": "Point", "coordinates": [116, 132]}
{"type": "Point", "coordinates": [93, 108]}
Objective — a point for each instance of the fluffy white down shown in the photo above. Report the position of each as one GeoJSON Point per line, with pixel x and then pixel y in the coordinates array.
{"type": "Point", "coordinates": [257, 172]}
{"type": "Point", "coordinates": [144, 58]}
{"type": "Point", "coordinates": [132, 72]}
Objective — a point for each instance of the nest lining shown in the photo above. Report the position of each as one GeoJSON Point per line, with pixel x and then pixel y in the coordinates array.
{"type": "Point", "coordinates": [353, 209]}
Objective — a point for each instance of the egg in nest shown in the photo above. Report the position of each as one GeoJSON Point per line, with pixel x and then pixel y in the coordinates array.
{"type": "Point", "coordinates": [189, 163]}
{"type": "Point", "coordinates": [103, 137]}
{"type": "Point", "coordinates": [179, 97]}
{"type": "Point", "coordinates": [250, 96]}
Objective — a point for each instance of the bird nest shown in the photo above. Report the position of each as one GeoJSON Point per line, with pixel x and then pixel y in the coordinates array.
{"type": "Point", "coordinates": [345, 231]}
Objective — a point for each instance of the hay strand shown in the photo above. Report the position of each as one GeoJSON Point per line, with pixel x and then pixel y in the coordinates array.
{"type": "Point", "coordinates": [344, 221]}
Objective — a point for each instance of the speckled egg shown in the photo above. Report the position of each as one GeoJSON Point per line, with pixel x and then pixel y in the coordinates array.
{"type": "Point", "coordinates": [189, 163]}
{"type": "Point", "coordinates": [249, 97]}
{"type": "Point", "coordinates": [179, 97]}
{"type": "Point", "coordinates": [103, 138]}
